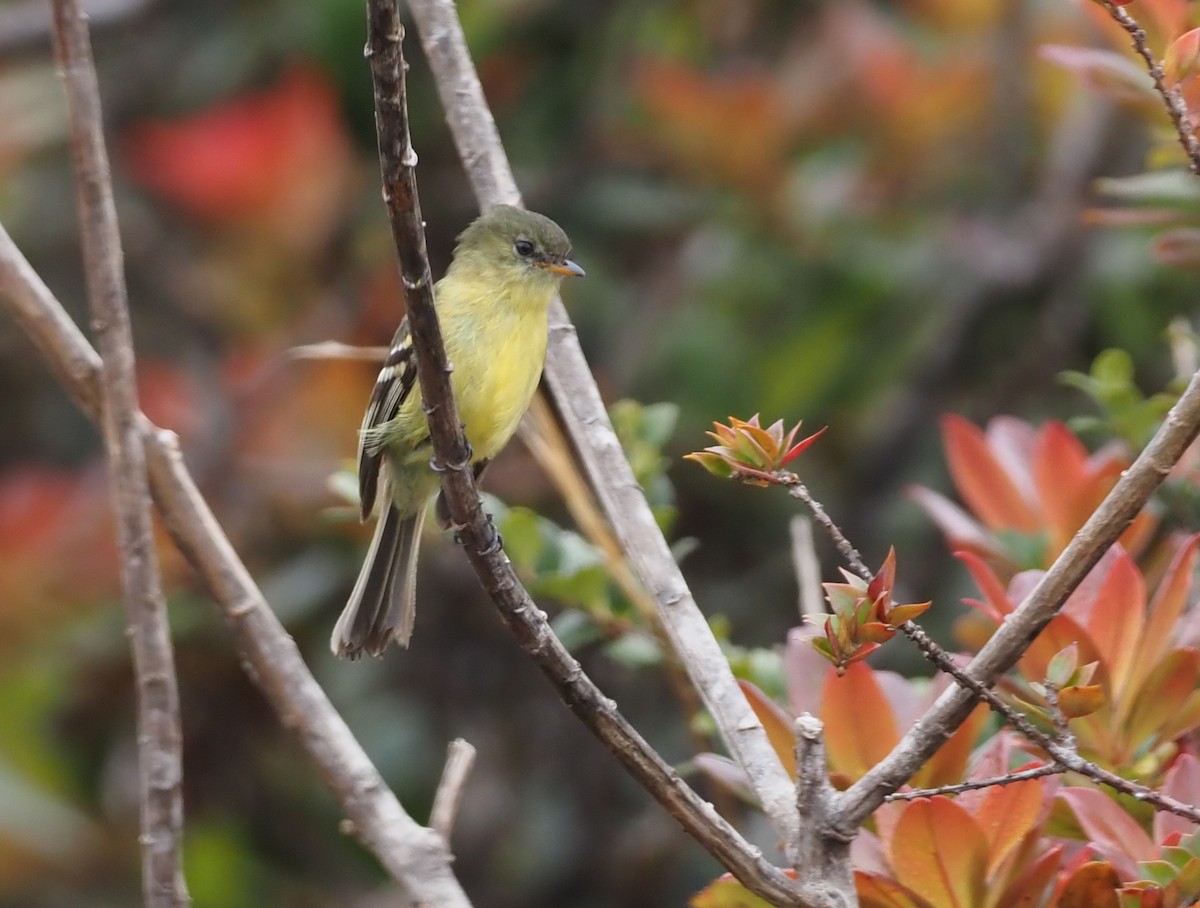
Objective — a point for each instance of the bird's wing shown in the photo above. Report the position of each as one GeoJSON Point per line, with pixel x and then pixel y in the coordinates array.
{"type": "Point", "coordinates": [392, 387]}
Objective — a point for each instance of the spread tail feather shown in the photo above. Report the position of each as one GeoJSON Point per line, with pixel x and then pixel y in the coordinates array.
{"type": "Point", "coordinates": [383, 604]}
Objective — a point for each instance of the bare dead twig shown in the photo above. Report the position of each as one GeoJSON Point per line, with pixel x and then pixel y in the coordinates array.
{"type": "Point", "coordinates": [414, 856]}
{"type": "Point", "coordinates": [159, 729]}
{"type": "Point", "coordinates": [578, 400]}
{"type": "Point", "coordinates": [799, 490]}
{"type": "Point", "coordinates": [1023, 775]}
{"type": "Point", "coordinates": [460, 757]}
{"type": "Point", "coordinates": [524, 619]}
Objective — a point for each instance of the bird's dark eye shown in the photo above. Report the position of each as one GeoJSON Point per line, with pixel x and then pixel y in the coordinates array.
{"type": "Point", "coordinates": [524, 247]}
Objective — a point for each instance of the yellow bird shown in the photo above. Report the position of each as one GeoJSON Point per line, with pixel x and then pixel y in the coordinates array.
{"type": "Point", "coordinates": [492, 306]}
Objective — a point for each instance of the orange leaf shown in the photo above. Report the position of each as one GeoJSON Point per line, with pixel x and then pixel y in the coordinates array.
{"type": "Point", "coordinates": [1165, 609]}
{"type": "Point", "coordinates": [1182, 58]}
{"type": "Point", "coordinates": [939, 851]}
{"type": "Point", "coordinates": [1094, 885]}
{"type": "Point", "coordinates": [1006, 815]}
{"type": "Point", "coordinates": [859, 726]}
{"type": "Point", "coordinates": [1080, 700]}
{"type": "Point", "coordinates": [879, 892]}
{"type": "Point", "coordinates": [949, 762]}
{"type": "Point", "coordinates": [778, 725]}
{"type": "Point", "coordinates": [1060, 463]}
{"type": "Point", "coordinates": [981, 479]}
{"type": "Point", "coordinates": [1163, 695]}
{"type": "Point", "coordinates": [1184, 721]}
{"type": "Point", "coordinates": [1116, 618]}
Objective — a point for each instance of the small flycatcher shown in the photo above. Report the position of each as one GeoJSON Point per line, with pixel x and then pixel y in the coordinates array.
{"type": "Point", "coordinates": [492, 305]}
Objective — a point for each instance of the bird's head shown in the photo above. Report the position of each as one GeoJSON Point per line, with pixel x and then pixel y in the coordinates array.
{"type": "Point", "coordinates": [519, 244]}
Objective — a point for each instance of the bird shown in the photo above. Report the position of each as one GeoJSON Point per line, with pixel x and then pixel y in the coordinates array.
{"type": "Point", "coordinates": [492, 305]}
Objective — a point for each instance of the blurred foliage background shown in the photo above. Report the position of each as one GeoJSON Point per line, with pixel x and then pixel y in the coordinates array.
{"type": "Point", "coordinates": [855, 212]}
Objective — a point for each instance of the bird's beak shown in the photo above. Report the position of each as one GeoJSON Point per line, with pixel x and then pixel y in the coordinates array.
{"type": "Point", "coordinates": [566, 268]}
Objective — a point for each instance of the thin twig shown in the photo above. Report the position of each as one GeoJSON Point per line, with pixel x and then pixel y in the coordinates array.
{"type": "Point", "coordinates": [1172, 97]}
{"type": "Point", "coordinates": [1062, 726]}
{"type": "Point", "coordinates": [338, 350]}
{"type": "Point", "coordinates": [159, 732]}
{"type": "Point", "coordinates": [460, 757]}
{"type": "Point", "coordinates": [799, 490]}
{"type": "Point", "coordinates": [1023, 775]}
{"type": "Point", "coordinates": [970, 687]}
{"type": "Point", "coordinates": [578, 401]}
{"type": "Point", "coordinates": [807, 568]}
{"type": "Point", "coordinates": [414, 856]}
{"type": "Point", "coordinates": [478, 536]}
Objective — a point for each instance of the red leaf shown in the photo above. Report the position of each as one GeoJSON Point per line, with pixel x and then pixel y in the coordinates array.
{"type": "Point", "coordinates": [282, 152]}
{"type": "Point", "coordinates": [996, 599]}
{"type": "Point", "coordinates": [1182, 783]}
{"type": "Point", "coordinates": [885, 578]}
{"type": "Point", "coordinates": [1111, 831]}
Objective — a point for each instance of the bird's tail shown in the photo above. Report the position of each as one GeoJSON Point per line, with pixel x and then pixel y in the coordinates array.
{"type": "Point", "coordinates": [383, 604]}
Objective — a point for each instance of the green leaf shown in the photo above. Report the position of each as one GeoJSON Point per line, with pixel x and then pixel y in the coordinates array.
{"type": "Point", "coordinates": [635, 650]}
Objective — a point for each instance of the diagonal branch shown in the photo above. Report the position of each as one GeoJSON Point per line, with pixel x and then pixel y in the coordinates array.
{"type": "Point", "coordinates": [414, 856]}
{"type": "Point", "coordinates": [478, 536]}
{"type": "Point", "coordinates": [578, 400]}
{"type": "Point", "coordinates": [1172, 98]}
{"type": "Point", "coordinates": [1001, 652]}
{"type": "Point", "coordinates": [159, 732]}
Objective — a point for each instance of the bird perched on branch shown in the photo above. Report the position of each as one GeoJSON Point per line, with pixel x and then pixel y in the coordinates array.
{"type": "Point", "coordinates": [492, 307]}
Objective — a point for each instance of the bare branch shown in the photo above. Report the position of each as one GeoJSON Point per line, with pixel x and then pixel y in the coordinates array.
{"type": "Point", "coordinates": [414, 856]}
{"type": "Point", "coordinates": [159, 733]}
{"type": "Point", "coordinates": [799, 490]}
{"type": "Point", "coordinates": [578, 400]}
{"type": "Point", "coordinates": [1101, 530]}
{"type": "Point", "coordinates": [1172, 98]}
{"type": "Point", "coordinates": [823, 855]}
{"type": "Point", "coordinates": [1037, 772]}
{"type": "Point", "coordinates": [478, 536]}
{"type": "Point", "coordinates": [460, 757]}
